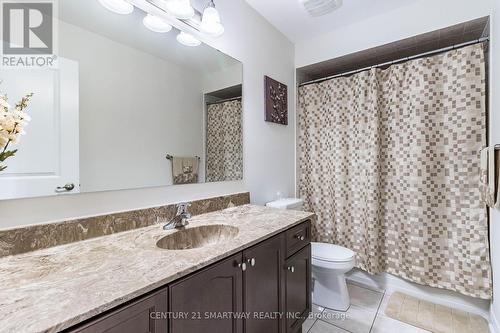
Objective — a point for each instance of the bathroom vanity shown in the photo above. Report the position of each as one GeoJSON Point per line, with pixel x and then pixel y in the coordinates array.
{"type": "Point", "coordinates": [265, 280]}
{"type": "Point", "coordinates": [242, 269]}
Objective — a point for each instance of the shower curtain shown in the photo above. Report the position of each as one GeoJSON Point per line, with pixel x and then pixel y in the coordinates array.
{"type": "Point", "coordinates": [224, 149]}
{"type": "Point", "coordinates": [389, 162]}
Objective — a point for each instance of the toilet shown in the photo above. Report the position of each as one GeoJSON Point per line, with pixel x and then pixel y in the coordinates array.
{"type": "Point", "coordinates": [287, 203]}
{"type": "Point", "coordinates": [330, 263]}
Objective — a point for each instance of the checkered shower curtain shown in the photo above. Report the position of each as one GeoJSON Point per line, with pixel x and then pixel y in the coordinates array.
{"type": "Point", "coordinates": [224, 146]}
{"type": "Point", "coordinates": [389, 162]}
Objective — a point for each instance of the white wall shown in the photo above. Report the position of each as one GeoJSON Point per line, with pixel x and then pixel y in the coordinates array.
{"type": "Point", "coordinates": [131, 107]}
{"type": "Point", "coordinates": [268, 148]}
{"type": "Point", "coordinates": [420, 17]}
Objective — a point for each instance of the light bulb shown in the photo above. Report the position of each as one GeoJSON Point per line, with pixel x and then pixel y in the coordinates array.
{"type": "Point", "coordinates": [118, 6]}
{"type": "Point", "coordinates": [187, 39]}
{"type": "Point", "coordinates": [156, 24]}
{"type": "Point", "coordinates": [210, 22]}
{"type": "Point", "coordinates": [181, 9]}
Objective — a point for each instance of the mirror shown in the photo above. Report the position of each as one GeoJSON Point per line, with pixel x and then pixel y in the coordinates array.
{"type": "Point", "coordinates": [125, 108]}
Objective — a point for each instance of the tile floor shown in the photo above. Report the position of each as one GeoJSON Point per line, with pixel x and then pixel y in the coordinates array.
{"type": "Point", "coordinates": [365, 315]}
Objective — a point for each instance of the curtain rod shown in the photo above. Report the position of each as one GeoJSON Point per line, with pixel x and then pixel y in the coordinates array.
{"type": "Point", "coordinates": [434, 52]}
{"type": "Point", "coordinates": [225, 100]}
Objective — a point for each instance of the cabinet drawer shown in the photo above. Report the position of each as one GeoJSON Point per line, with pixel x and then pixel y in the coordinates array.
{"type": "Point", "coordinates": [298, 237]}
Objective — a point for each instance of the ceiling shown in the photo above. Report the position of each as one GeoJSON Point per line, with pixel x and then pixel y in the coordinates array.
{"type": "Point", "coordinates": [129, 30]}
{"type": "Point", "coordinates": [290, 17]}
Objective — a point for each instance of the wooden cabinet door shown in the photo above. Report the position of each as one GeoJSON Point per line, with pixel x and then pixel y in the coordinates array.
{"type": "Point", "coordinates": [203, 298]}
{"type": "Point", "coordinates": [297, 289]}
{"type": "Point", "coordinates": [138, 317]}
{"type": "Point", "coordinates": [263, 286]}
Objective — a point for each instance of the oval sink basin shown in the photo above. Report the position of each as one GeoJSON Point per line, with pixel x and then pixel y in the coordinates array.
{"type": "Point", "coordinates": [201, 236]}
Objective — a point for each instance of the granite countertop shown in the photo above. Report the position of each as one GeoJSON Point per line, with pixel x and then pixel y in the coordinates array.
{"type": "Point", "coordinates": [52, 289]}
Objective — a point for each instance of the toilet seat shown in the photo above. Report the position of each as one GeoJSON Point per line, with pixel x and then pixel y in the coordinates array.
{"type": "Point", "coordinates": [336, 265]}
{"type": "Point", "coordinates": [332, 253]}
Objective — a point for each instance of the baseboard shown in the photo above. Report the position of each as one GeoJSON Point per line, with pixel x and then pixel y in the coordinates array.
{"type": "Point", "coordinates": [391, 283]}
{"type": "Point", "coordinates": [494, 324]}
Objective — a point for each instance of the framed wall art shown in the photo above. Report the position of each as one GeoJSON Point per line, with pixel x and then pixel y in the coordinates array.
{"type": "Point", "coordinates": [276, 95]}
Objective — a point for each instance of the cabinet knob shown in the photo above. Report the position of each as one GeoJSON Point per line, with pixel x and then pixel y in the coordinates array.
{"type": "Point", "coordinates": [243, 266]}
{"type": "Point", "coordinates": [291, 269]}
{"type": "Point", "coordinates": [300, 237]}
{"type": "Point", "coordinates": [251, 262]}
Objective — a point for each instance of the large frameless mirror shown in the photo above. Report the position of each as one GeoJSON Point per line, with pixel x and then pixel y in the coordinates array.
{"type": "Point", "coordinates": [125, 107]}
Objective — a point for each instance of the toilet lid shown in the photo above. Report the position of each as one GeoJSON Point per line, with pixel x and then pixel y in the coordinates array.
{"type": "Point", "coordinates": [331, 252]}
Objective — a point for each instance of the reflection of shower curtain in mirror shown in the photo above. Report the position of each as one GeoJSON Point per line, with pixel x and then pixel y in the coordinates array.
{"type": "Point", "coordinates": [224, 150]}
{"type": "Point", "coordinates": [389, 161]}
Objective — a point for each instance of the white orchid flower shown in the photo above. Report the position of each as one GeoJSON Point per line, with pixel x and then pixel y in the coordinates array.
{"type": "Point", "coordinates": [3, 102]}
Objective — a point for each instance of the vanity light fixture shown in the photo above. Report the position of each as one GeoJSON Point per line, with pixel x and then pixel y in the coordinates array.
{"type": "Point", "coordinates": [187, 39]}
{"type": "Point", "coordinates": [156, 24]}
{"type": "Point", "coordinates": [210, 22]}
{"type": "Point", "coordinates": [122, 7]}
{"type": "Point", "coordinates": [181, 12]}
{"type": "Point", "coordinates": [181, 9]}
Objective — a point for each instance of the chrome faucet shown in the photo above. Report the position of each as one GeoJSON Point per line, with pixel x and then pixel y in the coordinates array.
{"type": "Point", "coordinates": [180, 220]}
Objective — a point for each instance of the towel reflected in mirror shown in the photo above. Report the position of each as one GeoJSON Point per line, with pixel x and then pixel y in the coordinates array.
{"type": "Point", "coordinates": [185, 170]}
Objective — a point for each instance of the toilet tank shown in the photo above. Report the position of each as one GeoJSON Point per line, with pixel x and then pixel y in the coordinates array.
{"type": "Point", "coordinates": [286, 203]}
